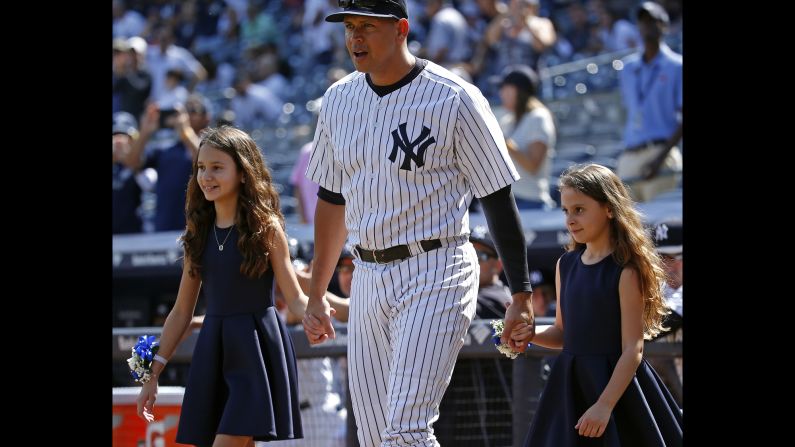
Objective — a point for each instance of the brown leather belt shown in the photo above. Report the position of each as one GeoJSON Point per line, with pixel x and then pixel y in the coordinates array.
{"type": "Point", "coordinates": [396, 253]}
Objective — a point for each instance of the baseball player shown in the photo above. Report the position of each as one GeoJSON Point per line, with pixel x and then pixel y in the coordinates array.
{"type": "Point", "coordinates": [401, 148]}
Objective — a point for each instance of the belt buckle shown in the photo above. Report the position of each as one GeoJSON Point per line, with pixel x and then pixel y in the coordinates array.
{"type": "Point", "coordinates": [375, 257]}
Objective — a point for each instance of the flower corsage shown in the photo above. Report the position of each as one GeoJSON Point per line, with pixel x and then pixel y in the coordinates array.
{"type": "Point", "coordinates": [497, 327]}
{"type": "Point", "coordinates": [142, 355]}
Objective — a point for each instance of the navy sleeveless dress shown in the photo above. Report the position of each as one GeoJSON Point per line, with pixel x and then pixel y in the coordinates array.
{"type": "Point", "coordinates": [646, 414]}
{"type": "Point", "coordinates": [242, 378]}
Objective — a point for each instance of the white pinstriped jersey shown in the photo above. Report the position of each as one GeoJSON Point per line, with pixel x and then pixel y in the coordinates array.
{"type": "Point", "coordinates": [407, 163]}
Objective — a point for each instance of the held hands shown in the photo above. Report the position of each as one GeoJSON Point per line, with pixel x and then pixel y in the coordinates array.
{"type": "Point", "coordinates": [519, 312]}
{"type": "Point", "coordinates": [146, 400]}
{"type": "Point", "coordinates": [317, 321]}
{"type": "Point", "coordinates": [593, 422]}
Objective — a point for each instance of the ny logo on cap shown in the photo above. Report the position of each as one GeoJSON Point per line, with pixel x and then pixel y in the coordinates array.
{"type": "Point", "coordinates": [401, 140]}
{"type": "Point", "coordinates": [661, 232]}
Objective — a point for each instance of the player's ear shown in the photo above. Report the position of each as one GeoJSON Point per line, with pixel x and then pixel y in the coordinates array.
{"type": "Point", "coordinates": [403, 28]}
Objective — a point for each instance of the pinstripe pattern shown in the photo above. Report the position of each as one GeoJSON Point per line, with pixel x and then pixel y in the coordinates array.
{"type": "Point", "coordinates": [407, 324]}
{"type": "Point", "coordinates": [408, 319]}
{"type": "Point", "coordinates": [353, 141]}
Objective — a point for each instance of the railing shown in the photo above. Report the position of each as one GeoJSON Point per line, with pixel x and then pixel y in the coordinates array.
{"type": "Point", "coordinates": [597, 73]}
{"type": "Point", "coordinates": [483, 405]}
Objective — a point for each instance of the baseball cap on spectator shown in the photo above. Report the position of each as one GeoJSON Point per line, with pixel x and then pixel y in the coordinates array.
{"type": "Point", "coordinates": [540, 276]}
{"type": "Point", "coordinates": [522, 76]}
{"type": "Point", "coordinates": [668, 237]}
{"type": "Point", "coordinates": [346, 258]}
{"type": "Point", "coordinates": [125, 123]}
{"type": "Point", "coordinates": [480, 234]}
{"type": "Point", "coordinates": [395, 9]}
{"type": "Point", "coordinates": [120, 44]}
{"type": "Point", "coordinates": [653, 10]}
{"type": "Point", "coordinates": [137, 44]}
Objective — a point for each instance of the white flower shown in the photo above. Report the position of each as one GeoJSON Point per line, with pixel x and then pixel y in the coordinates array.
{"type": "Point", "coordinates": [504, 349]}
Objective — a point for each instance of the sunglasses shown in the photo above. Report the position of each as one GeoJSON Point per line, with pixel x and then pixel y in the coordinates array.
{"type": "Point", "coordinates": [483, 256]}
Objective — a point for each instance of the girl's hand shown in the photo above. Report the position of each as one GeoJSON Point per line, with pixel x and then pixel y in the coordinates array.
{"type": "Point", "coordinates": [146, 400]}
{"type": "Point", "coordinates": [522, 333]}
{"type": "Point", "coordinates": [593, 422]}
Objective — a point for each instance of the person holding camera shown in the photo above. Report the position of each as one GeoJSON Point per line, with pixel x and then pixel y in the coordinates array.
{"type": "Point", "coordinates": [172, 158]}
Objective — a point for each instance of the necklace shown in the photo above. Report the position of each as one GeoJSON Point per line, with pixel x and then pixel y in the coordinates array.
{"type": "Point", "coordinates": [221, 244]}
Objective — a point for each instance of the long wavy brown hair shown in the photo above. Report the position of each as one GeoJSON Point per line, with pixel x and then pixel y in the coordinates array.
{"type": "Point", "coordinates": [632, 244]}
{"type": "Point", "coordinates": [258, 210]}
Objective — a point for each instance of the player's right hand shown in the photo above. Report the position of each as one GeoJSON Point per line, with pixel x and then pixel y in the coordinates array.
{"type": "Point", "coordinates": [317, 321]}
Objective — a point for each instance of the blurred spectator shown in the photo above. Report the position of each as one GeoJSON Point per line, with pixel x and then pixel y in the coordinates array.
{"type": "Point", "coordinates": [520, 36]}
{"type": "Point", "coordinates": [668, 237]}
{"type": "Point", "coordinates": [171, 157]}
{"type": "Point", "coordinates": [614, 33]}
{"type": "Point", "coordinates": [220, 76]}
{"type": "Point", "coordinates": [493, 296]}
{"type": "Point", "coordinates": [174, 92]}
{"type": "Point", "coordinates": [304, 190]}
{"type": "Point", "coordinates": [132, 83]}
{"type": "Point", "coordinates": [207, 36]}
{"type": "Point", "coordinates": [529, 131]}
{"type": "Point", "coordinates": [163, 56]}
{"type": "Point", "coordinates": [674, 35]}
{"type": "Point", "coordinates": [126, 22]}
{"type": "Point", "coordinates": [544, 297]}
{"type": "Point", "coordinates": [269, 72]}
{"type": "Point", "coordinates": [127, 185]}
{"type": "Point", "coordinates": [345, 267]}
{"type": "Point", "coordinates": [651, 86]}
{"type": "Point", "coordinates": [257, 27]}
{"type": "Point", "coordinates": [322, 39]}
{"type": "Point", "coordinates": [447, 42]}
{"type": "Point", "coordinates": [254, 105]}
{"type": "Point", "coordinates": [483, 64]}
{"type": "Point", "coordinates": [579, 32]}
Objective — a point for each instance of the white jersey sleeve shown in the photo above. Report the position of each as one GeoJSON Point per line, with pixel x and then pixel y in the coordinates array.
{"type": "Point", "coordinates": [480, 146]}
{"type": "Point", "coordinates": [323, 169]}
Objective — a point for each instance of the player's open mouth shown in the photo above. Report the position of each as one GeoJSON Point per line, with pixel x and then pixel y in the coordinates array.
{"type": "Point", "coordinates": [359, 54]}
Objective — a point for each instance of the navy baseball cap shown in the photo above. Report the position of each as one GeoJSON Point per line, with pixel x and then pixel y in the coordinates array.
{"type": "Point", "coordinates": [395, 9]}
{"type": "Point", "coordinates": [480, 234]}
{"type": "Point", "coordinates": [668, 237]}
{"type": "Point", "coordinates": [541, 276]}
{"type": "Point", "coordinates": [653, 10]}
{"type": "Point", "coordinates": [125, 123]}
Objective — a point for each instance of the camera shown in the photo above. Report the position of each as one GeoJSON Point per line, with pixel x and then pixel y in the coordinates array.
{"type": "Point", "coordinates": [166, 120]}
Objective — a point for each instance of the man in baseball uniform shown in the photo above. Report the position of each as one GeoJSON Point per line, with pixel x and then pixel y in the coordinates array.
{"type": "Point", "coordinates": [401, 148]}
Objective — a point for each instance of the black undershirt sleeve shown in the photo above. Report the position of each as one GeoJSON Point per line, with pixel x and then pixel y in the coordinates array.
{"type": "Point", "coordinates": [330, 197]}
{"type": "Point", "coordinates": [505, 229]}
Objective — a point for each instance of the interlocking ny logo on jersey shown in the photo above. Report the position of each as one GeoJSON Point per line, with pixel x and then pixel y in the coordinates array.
{"type": "Point", "coordinates": [402, 141]}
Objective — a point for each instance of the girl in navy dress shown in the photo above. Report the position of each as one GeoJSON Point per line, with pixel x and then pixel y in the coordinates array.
{"type": "Point", "coordinates": [242, 383]}
{"type": "Point", "coordinates": [601, 392]}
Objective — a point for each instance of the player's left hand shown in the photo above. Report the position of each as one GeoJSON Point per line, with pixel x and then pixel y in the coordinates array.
{"type": "Point", "coordinates": [519, 311]}
{"type": "Point", "coordinates": [593, 422]}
